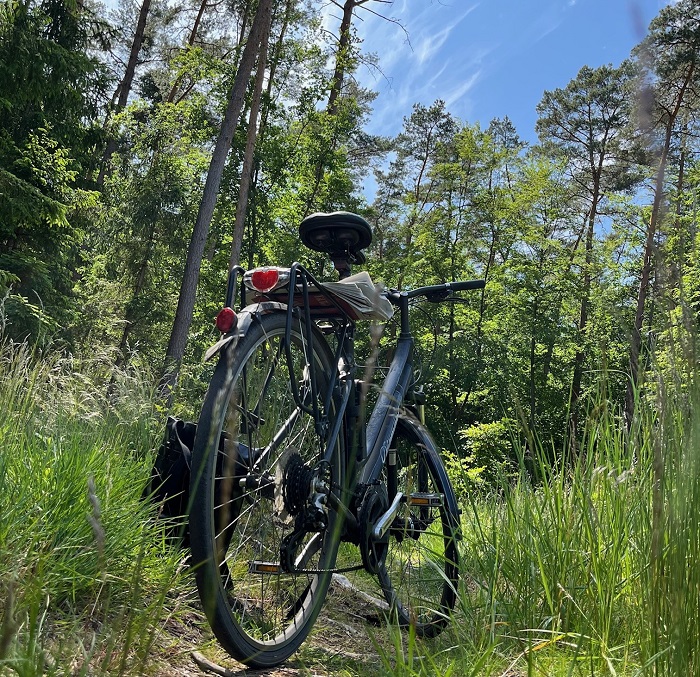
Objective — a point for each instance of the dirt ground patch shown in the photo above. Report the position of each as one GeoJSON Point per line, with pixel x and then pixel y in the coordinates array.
{"type": "Point", "coordinates": [344, 642]}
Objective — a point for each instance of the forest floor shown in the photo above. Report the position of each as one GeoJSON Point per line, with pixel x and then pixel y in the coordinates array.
{"type": "Point", "coordinates": [346, 640]}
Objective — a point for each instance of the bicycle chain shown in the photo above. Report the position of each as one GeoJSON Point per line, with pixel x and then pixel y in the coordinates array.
{"type": "Point", "coordinates": [342, 570]}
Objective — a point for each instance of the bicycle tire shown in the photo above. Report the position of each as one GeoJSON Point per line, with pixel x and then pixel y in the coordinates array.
{"type": "Point", "coordinates": [259, 618]}
{"type": "Point", "coordinates": [420, 573]}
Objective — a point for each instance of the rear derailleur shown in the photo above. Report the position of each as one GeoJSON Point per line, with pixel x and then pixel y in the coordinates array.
{"type": "Point", "coordinates": [301, 494]}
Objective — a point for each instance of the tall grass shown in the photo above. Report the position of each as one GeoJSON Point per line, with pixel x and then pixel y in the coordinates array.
{"type": "Point", "coordinates": [559, 564]}
{"type": "Point", "coordinates": [84, 567]}
{"type": "Point", "coordinates": [594, 567]}
{"type": "Point", "coordinates": [670, 641]}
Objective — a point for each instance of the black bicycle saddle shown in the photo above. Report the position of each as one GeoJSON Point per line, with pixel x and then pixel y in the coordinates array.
{"type": "Point", "coordinates": [339, 234]}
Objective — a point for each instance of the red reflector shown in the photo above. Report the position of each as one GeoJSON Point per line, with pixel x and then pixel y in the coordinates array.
{"type": "Point", "coordinates": [263, 280]}
{"type": "Point", "coordinates": [225, 320]}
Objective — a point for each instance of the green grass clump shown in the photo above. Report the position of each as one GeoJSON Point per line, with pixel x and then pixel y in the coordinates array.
{"type": "Point", "coordinates": [589, 567]}
{"type": "Point", "coordinates": [556, 563]}
{"type": "Point", "coordinates": [585, 565]}
{"type": "Point", "coordinates": [84, 567]}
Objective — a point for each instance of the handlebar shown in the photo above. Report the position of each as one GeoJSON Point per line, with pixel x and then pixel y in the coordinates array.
{"type": "Point", "coordinates": [435, 292]}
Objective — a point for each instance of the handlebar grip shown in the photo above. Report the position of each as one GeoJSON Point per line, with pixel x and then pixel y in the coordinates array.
{"type": "Point", "coordinates": [436, 292]}
{"type": "Point", "coordinates": [467, 284]}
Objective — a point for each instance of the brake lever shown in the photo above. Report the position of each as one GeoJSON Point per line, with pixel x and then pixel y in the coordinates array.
{"type": "Point", "coordinates": [438, 296]}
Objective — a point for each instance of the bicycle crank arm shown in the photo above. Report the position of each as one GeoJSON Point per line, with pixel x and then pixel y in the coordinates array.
{"type": "Point", "coordinates": [381, 526]}
{"type": "Point", "coordinates": [276, 569]}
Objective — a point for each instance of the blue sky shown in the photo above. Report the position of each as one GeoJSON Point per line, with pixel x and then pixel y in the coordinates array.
{"type": "Point", "coordinates": [490, 58]}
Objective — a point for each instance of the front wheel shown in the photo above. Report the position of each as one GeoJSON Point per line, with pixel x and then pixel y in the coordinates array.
{"type": "Point", "coordinates": [419, 574]}
{"type": "Point", "coordinates": [257, 456]}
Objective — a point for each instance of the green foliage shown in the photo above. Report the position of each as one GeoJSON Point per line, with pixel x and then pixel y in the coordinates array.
{"type": "Point", "coordinates": [464, 474]}
{"type": "Point", "coordinates": [587, 122]}
{"type": "Point", "coordinates": [77, 542]}
{"type": "Point", "coordinates": [149, 203]}
{"type": "Point", "coordinates": [490, 449]}
{"type": "Point", "coordinates": [47, 114]}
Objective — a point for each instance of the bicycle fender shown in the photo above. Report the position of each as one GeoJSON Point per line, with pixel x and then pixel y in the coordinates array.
{"type": "Point", "coordinates": [245, 318]}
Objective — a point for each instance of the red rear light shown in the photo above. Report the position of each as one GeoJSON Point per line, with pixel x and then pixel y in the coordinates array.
{"type": "Point", "coordinates": [264, 279]}
{"type": "Point", "coordinates": [226, 320]}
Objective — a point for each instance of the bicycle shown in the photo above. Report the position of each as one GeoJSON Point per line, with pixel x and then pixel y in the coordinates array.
{"type": "Point", "coordinates": [285, 468]}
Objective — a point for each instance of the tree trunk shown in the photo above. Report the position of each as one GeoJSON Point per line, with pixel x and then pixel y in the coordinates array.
{"type": "Point", "coordinates": [125, 85]}
{"type": "Point", "coordinates": [532, 379]}
{"type": "Point", "coordinates": [247, 169]}
{"type": "Point", "coordinates": [482, 300]}
{"type": "Point", "coordinates": [547, 362]}
{"type": "Point", "coordinates": [636, 339]}
{"type": "Point", "coordinates": [253, 225]}
{"type": "Point", "coordinates": [582, 325]}
{"type": "Point", "coordinates": [190, 279]}
{"type": "Point", "coordinates": [129, 316]}
{"type": "Point", "coordinates": [677, 258]}
{"type": "Point", "coordinates": [585, 301]}
{"type": "Point", "coordinates": [336, 86]}
{"type": "Point", "coordinates": [190, 42]}
{"type": "Point", "coordinates": [273, 62]}
{"type": "Point", "coordinates": [276, 57]}
{"type": "Point", "coordinates": [341, 57]}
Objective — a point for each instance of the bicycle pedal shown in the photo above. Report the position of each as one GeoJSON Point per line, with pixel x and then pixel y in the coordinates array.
{"type": "Point", "coordinates": [265, 568]}
{"type": "Point", "coordinates": [425, 499]}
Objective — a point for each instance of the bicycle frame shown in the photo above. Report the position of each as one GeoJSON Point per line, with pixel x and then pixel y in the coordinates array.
{"type": "Point", "coordinates": [368, 444]}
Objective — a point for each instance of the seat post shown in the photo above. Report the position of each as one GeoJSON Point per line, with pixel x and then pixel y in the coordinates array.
{"type": "Point", "coordinates": [342, 265]}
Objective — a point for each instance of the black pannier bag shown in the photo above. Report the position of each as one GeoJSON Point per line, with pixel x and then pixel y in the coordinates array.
{"type": "Point", "coordinates": [169, 485]}
{"type": "Point", "coordinates": [170, 478]}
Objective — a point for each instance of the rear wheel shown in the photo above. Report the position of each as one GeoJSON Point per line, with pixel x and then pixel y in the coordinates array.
{"type": "Point", "coordinates": [256, 461]}
{"type": "Point", "coordinates": [419, 575]}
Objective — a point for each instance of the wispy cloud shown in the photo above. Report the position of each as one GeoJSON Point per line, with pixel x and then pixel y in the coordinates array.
{"type": "Point", "coordinates": [430, 44]}
{"type": "Point", "coordinates": [432, 62]}
{"type": "Point", "coordinates": [547, 21]}
{"type": "Point", "coordinates": [438, 75]}
{"type": "Point", "coordinates": [453, 96]}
